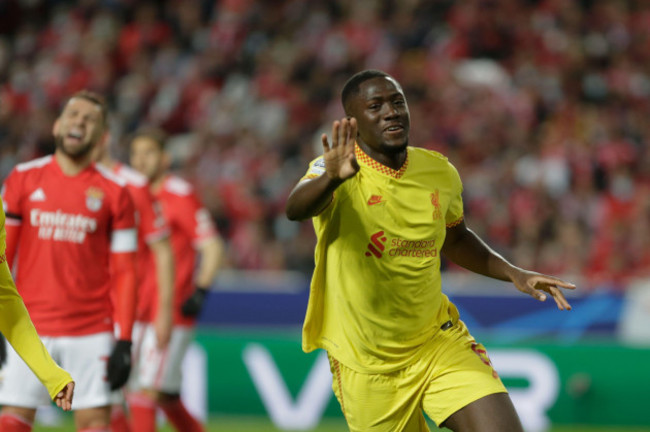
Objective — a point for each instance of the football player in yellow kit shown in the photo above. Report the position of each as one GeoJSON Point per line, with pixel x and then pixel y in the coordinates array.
{"type": "Point", "coordinates": [384, 213]}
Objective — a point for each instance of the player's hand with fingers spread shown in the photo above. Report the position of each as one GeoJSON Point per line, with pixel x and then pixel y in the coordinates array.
{"type": "Point", "coordinates": [539, 286]}
{"type": "Point", "coordinates": [64, 398]}
{"type": "Point", "coordinates": [340, 161]}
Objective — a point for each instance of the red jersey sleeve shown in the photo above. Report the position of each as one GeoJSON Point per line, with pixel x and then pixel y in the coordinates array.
{"type": "Point", "coordinates": [152, 224]}
{"type": "Point", "coordinates": [123, 230]}
{"type": "Point", "coordinates": [12, 198]}
{"type": "Point", "coordinates": [124, 244]}
{"type": "Point", "coordinates": [12, 204]}
{"type": "Point", "coordinates": [196, 221]}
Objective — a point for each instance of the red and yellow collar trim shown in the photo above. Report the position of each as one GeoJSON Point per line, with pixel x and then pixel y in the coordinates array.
{"type": "Point", "coordinates": [370, 162]}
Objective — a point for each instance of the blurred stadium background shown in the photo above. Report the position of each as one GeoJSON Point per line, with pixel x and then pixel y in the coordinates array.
{"type": "Point", "coordinates": [543, 106]}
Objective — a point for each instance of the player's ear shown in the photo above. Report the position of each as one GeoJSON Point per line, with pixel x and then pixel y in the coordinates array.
{"type": "Point", "coordinates": [166, 160]}
{"type": "Point", "coordinates": [55, 127]}
{"type": "Point", "coordinates": [104, 139]}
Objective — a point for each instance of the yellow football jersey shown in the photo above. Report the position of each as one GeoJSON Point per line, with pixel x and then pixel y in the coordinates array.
{"type": "Point", "coordinates": [17, 327]}
{"type": "Point", "coordinates": [375, 296]}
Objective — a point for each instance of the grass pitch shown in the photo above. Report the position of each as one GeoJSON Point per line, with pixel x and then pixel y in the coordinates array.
{"type": "Point", "coordinates": [262, 424]}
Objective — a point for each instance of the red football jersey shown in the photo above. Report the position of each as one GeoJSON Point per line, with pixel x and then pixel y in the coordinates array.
{"type": "Point", "coordinates": [69, 225]}
{"type": "Point", "coordinates": [190, 224]}
{"type": "Point", "coordinates": [151, 227]}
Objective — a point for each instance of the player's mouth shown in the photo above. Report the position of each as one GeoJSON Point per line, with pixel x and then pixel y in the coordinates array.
{"type": "Point", "coordinates": [397, 129]}
{"type": "Point", "coordinates": [75, 135]}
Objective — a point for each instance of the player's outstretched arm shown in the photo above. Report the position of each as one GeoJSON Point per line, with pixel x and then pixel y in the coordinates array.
{"type": "Point", "coordinates": [463, 247]}
{"type": "Point", "coordinates": [311, 196]}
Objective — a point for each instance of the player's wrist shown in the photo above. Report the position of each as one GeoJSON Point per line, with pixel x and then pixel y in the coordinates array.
{"type": "Point", "coordinates": [334, 178]}
{"type": "Point", "coordinates": [510, 271]}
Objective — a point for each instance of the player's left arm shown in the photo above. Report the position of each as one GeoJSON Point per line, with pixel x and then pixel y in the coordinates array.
{"type": "Point", "coordinates": [463, 247]}
{"type": "Point", "coordinates": [123, 276]}
{"type": "Point", "coordinates": [211, 252]}
{"type": "Point", "coordinates": [210, 255]}
{"type": "Point", "coordinates": [124, 244]}
{"type": "Point", "coordinates": [210, 248]}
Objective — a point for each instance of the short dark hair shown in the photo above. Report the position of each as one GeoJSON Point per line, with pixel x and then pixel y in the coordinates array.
{"type": "Point", "coordinates": [94, 98]}
{"type": "Point", "coordinates": [351, 86]}
{"type": "Point", "coordinates": [153, 133]}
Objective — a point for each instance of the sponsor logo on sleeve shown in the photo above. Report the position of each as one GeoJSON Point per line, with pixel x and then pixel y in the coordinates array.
{"type": "Point", "coordinates": [317, 168]}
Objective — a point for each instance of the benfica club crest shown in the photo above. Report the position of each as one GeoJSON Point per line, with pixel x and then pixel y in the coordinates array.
{"type": "Point", "coordinates": [94, 198]}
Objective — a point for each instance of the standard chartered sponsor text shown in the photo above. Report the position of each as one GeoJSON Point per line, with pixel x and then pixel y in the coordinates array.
{"type": "Point", "coordinates": [413, 248]}
{"type": "Point", "coordinates": [61, 226]}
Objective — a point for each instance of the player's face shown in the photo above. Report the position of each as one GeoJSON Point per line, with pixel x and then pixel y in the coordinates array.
{"type": "Point", "coordinates": [146, 157]}
{"type": "Point", "coordinates": [79, 128]}
{"type": "Point", "coordinates": [382, 115]}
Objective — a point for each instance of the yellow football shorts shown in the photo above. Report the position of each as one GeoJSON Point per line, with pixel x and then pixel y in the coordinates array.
{"type": "Point", "coordinates": [451, 372]}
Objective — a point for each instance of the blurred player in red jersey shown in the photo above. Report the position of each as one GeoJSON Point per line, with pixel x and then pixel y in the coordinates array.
{"type": "Point", "coordinates": [71, 227]}
{"type": "Point", "coordinates": [155, 267]}
{"type": "Point", "coordinates": [159, 371]}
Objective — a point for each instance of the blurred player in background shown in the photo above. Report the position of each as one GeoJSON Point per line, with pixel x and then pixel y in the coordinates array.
{"type": "Point", "coordinates": [192, 230]}
{"type": "Point", "coordinates": [384, 212]}
{"type": "Point", "coordinates": [19, 330]}
{"type": "Point", "coordinates": [155, 267]}
{"type": "Point", "coordinates": [71, 225]}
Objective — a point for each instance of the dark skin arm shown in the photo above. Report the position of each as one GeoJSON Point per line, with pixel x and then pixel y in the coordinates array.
{"type": "Point", "coordinates": [311, 196]}
{"type": "Point", "coordinates": [463, 247]}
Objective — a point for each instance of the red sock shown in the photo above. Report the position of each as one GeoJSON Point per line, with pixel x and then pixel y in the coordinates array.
{"type": "Point", "coordinates": [14, 423]}
{"type": "Point", "coordinates": [178, 415]}
{"type": "Point", "coordinates": [119, 422]}
{"type": "Point", "coordinates": [95, 429]}
{"type": "Point", "coordinates": [143, 413]}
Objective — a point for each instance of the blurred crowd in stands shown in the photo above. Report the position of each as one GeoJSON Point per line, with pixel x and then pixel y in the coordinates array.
{"type": "Point", "coordinates": [543, 106]}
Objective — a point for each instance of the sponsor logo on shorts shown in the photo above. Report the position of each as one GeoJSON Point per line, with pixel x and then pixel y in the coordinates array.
{"type": "Point", "coordinates": [381, 245]}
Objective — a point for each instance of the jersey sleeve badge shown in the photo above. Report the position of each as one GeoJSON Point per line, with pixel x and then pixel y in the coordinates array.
{"type": "Point", "coordinates": [316, 169]}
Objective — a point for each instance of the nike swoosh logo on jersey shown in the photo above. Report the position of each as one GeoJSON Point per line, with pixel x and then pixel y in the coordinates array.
{"type": "Point", "coordinates": [375, 199]}
{"type": "Point", "coordinates": [37, 195]}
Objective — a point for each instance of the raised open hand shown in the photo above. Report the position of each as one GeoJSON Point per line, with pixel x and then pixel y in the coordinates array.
{"type": "Point", "coordinates": [340, 162]}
